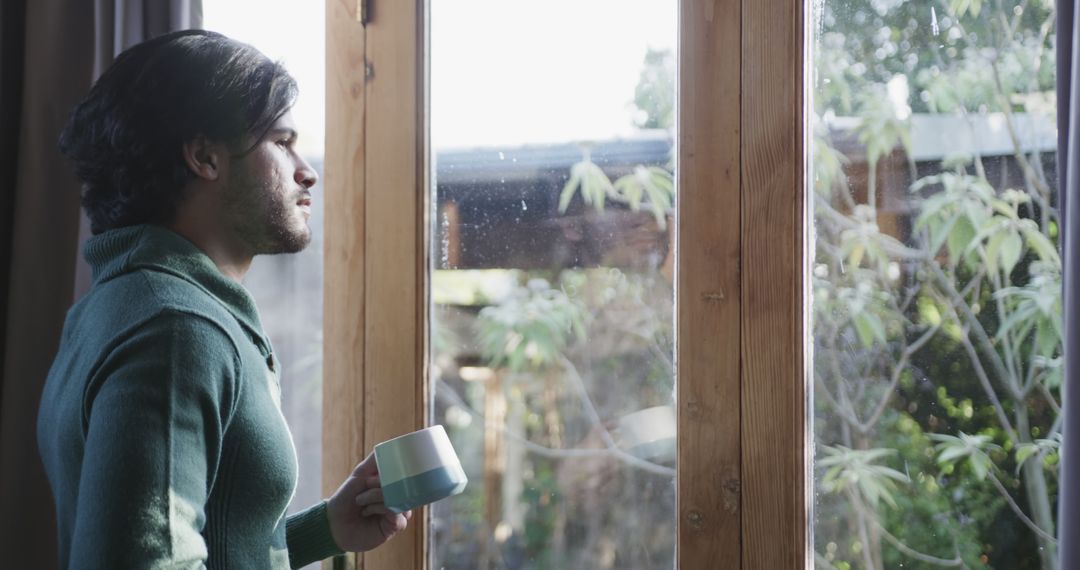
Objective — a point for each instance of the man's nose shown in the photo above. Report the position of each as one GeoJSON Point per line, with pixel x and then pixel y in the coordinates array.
{"type": "Point", "coordinates": [306, 175]}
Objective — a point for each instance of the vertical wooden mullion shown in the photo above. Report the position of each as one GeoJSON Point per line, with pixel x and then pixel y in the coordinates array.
{"type": "Point", "coordinates": [393, 364]}
{"type": "Point", "coordinates": [374, 299]}
{"type": "Point", "coordinates": [774, 387]}
{"type": "Point", "coordinates": [708, 285]}
{"type": "Point", "coordinates": [344, 271]}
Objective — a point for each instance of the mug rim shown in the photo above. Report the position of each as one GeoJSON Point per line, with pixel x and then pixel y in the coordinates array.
{"type": "Point", "coordinates": [414, 453]}
{"type": "Point", "coordinates": [418, 432]}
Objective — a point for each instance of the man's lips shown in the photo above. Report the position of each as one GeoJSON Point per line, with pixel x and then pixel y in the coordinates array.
{"type": "Point", "coordinates": [304, 203]}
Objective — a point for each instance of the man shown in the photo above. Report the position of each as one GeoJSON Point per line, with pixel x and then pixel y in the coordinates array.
{"type": "Point", "coordinates": [160, 426]}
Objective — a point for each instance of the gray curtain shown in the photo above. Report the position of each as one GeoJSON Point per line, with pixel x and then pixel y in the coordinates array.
{"type": "Point", "coordinates": [1068, 91]}
{"type": "Point", "coordinates": [50, 51]}
{"type": "Point", "coordinates": [121, 24]}
{"type": "Point", "coordinates": [56, 57]}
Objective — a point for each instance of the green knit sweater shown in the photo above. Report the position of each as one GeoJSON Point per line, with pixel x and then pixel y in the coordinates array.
{"type": "Point", "coordinates": [160, 425]}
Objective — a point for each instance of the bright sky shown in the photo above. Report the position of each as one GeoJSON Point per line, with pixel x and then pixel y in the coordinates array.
{"type": "Point", "coordinates": [503, 72]}
{"type": "Point", "coordinates": [516, 71]}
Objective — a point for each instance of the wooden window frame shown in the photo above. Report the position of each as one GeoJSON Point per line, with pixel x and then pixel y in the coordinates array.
{"type": "Point", "coordinates": [744, 442]}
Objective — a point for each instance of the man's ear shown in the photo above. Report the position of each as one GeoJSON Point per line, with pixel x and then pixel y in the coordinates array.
{"type": "Point", "coordinates": [204, 158]}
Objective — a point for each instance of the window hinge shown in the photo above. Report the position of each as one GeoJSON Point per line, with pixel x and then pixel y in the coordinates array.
{"type": "Point", "coordinates": [363, 12]}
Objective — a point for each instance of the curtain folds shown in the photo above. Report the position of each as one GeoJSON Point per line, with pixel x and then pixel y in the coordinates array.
{"type": "Point", "coordinates": [44, 203]}
{"type": "Point", "coordinates": [50, 51]}
{"type": "Point", "coordinates": [120, 24]}
{"type": "Point", "coordinates": [1068, 92]}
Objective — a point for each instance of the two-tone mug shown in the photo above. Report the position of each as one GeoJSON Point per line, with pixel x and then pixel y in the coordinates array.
{"type": "Point", "coordinates": [418, 468]}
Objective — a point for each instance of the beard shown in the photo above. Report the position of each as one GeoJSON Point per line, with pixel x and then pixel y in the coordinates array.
{"type": "Point", "coordinates": [265, 217]}
{"type": "Point", "coordinates": [281, 231]}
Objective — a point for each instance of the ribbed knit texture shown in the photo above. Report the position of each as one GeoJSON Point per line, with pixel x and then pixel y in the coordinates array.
{"type": "Point", "coordinates": [160, 427]}
{"type": "Point", "coordinates": [309, 536]}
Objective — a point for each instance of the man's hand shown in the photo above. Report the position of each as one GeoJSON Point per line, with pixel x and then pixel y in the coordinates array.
{"type": "Point", "coordinates": [359, 521]}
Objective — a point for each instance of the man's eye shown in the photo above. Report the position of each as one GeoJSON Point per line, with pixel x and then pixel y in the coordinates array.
{"type": "Point", "coordinates": [284, 142]}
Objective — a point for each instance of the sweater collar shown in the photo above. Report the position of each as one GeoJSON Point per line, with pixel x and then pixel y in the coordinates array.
{"type": "Point", "coordinates": [155, 248]}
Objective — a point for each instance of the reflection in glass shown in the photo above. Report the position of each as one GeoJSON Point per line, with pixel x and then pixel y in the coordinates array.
{"type": "Point", "coordinates": [551, 282]}
{"type": "Point", "coordinates": [936, 284]}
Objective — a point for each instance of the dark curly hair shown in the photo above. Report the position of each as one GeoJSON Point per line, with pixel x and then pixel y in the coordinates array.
{"type": "Point", "coordinates": [125, 138]}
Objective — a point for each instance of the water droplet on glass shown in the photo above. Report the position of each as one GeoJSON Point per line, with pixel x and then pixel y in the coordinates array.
{"type": "Point", "coordinates": [523, 206]}
{"type": "Point", "coordinates": [502, 156]}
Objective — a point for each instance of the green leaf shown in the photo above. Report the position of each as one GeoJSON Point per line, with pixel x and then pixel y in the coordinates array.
{"type": "Point", "coordinates": [873, 490]}
{"type": "Point", "coordinates": [939, 232]}
{"type": "Point", "coordinates": [529, 329]}
{"type": "Point", "coordinates": [1004, 208]}
{"type": "Point", "coordinates": [980, 464]}
{"type": "Point", "coordinates": [1017, 319]}
{"type": "Point", "coordinates": [856, 254]}
{"type": "Point", "coordinates": [654, 183]}
{"type": "Point", "coordinates": [869, 328]}
{"type": "Point", "coordinates": [629, 189]}
{"type": "Point", "coordinates": [960, 7]}
{"type": "Point", "coordinates": [951, 449]}
{"type": "Point", "coordinates": [595, 185]}
{"type": "Point", "coordinates": [569, 189]}
{"type": "Point", "coordinates": [1024, 451]}
{"type": "Point", "coordinates": [591, 180]}
{"type": "Point", "coordinates": [962, 234]}
{"type": "Point", "coordinates": [929, 313]}
{"type": "Point", "coordinates": [1047, 448]}
{"type": "Point", "coordinates": [663, 178]}
{"type": "Point", "coordinates": [1047, 339]}
{"type": "Point", "coordinates": [661, 190]}
{"type": "Point", "coordinates": [993, 251]}
{"type": "Point", "coordinates": [854, 469]}
{"type": "Point", "coordinates": [1040, 243]}
{"type": "Point", "coordinates": [931, 207]}
{"type": "Point", "coordinates": [951, 453]}
{"type": "Point", "coordinates": [1011, 249]}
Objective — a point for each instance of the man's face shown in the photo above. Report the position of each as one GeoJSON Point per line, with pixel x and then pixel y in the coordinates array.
{"type": "Point", "coordinates": [268, 201]}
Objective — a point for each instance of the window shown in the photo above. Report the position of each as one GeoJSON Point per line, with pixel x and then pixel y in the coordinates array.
{"type": "Point", "coordinates": [551, 329]}
{"type": "Point", "coordinates": [936, 284]}
{"type": "Point", "coordinates": [741, 466]}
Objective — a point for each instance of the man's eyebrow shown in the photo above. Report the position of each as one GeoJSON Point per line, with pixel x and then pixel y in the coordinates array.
{"type": "Point", "coordinates": [284, 131]}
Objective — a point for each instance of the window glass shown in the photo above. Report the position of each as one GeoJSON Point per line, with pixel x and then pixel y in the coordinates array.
{"type": "Point", "coordinates": [288, 288]}
{"type": "Point", "coordinates": [936, 284]}
{"type": "Point", "coordinates": [551, 330]}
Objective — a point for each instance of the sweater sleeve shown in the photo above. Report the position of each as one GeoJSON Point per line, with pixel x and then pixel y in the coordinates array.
{"type": "Point", "coordinates": [154, 416]}
{"type": "Point", "coordinates": [309, 538]}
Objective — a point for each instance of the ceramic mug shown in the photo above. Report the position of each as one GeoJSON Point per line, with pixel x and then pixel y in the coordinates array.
{"type": "Point", "coordinates": [418, 468]}
{"type": "Point", "coordinates": [649, 433]}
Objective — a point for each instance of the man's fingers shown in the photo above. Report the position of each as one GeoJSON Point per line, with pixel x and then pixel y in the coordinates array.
{"type": "Point", "coordinates": [366, 468]}
{"type": "Point", "coordinates": [371, 503]}
{"type": "Point", "coordinates": [393, 524]}
{"type": "Point", "coordinates": [376, 509]}
{"type": "Point", "coordinates": [370, 497]}
{"type": "Point", "coordinates": [356, 485]}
